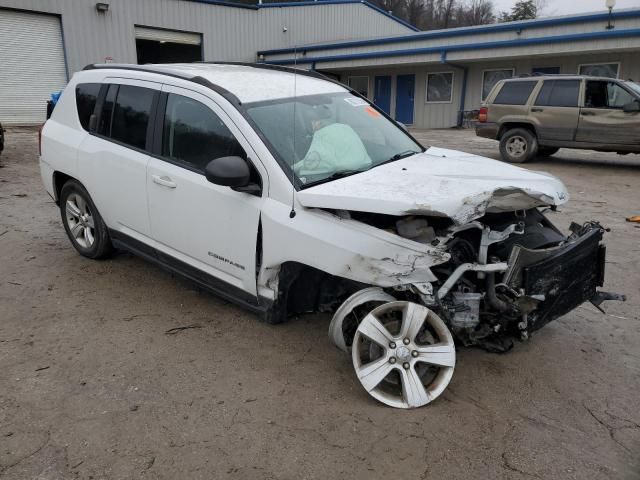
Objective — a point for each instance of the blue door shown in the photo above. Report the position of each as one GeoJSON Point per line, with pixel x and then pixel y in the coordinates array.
{"type": "Point", "coordinates": [382, 93]}
{"type": "Point", "coordinates": [405, 88]}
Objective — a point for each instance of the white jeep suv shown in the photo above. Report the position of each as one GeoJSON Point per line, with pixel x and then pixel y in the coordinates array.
{"type": "Point", "coordinates": [287, 193]}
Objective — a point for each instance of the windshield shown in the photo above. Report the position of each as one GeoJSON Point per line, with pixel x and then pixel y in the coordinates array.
{"type": "Point", "coordinates": [324, 137]}
{"type": "Point", "coordinates": [633, 86]}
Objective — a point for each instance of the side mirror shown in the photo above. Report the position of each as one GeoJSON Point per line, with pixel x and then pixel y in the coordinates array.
{"type": "Point", "coordinates": [631, 107]}
{"type": "Point", "coordinates": [228, 172]}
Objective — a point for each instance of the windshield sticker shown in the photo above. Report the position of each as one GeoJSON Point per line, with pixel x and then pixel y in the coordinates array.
{"type": "Point", "coordinates": [372, 112]}
{"type": "Point", "coordinates": [355, 101]}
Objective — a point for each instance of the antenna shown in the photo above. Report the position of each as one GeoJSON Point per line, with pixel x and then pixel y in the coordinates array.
{"type": "Point", "coordinates": [292, 213]}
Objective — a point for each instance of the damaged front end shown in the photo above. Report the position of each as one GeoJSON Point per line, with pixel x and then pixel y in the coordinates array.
{"type": "Point", "coordinates": [508, 275]}
{"type": "Point", "coordinates": [538, 275]}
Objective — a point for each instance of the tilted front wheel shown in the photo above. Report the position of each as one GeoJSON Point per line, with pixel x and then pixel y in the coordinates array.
{"type": "Point", "coordinates": [83, 223]}
{"type": "Point", "coordinates": [403, 354]}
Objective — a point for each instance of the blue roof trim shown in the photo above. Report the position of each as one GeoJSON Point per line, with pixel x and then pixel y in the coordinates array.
{"type": "Point", "coordinates": [465, 47]}
{"type": "Point", "coordinates": [337, 2]}
{"type": "Point", "coordinates": [222, 3]}
{"type": "Point", "coordinates": [459, 32]}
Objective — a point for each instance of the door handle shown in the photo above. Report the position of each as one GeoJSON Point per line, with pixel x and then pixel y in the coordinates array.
{"type": "Point", "coordinates": [164, 181]}
{"type": "Point", "coordinates": [537, 109]}
{"type": "Point", "coordinates": [587, 114]}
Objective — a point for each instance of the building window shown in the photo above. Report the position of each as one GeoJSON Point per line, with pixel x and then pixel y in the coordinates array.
{"type": "Point", "coordinates": [491, 77]}
{"type": "Point", "coordinates": [360, 85]}
{"type": "Point", "coordinates": [439, 87]}
{"type": "Point", "coordinates": [545, 70]}
{"type": "Point", "coordinates": [609, 70]}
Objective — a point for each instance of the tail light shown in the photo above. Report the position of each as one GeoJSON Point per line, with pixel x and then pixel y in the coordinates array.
{"type": "Point", "coordinates": [40, 139]}
{"type": "Point", "coordinates": [483, 114]}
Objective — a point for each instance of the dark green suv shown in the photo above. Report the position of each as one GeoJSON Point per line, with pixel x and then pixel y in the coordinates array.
{"type": "Point", "coordinates": [535, 116]}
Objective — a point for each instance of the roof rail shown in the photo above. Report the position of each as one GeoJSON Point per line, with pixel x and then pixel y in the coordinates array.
{"type": "Point", "coordinates": [160, 71]}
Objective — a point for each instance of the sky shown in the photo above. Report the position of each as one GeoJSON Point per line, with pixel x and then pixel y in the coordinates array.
{"type": "Point", "coordinates": [566, 7]}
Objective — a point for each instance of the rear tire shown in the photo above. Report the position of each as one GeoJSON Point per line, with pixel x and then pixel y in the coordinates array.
{"type": "Point", "coordinates": [547, 151]}
{"type": "Point", "coordinates": [82, 222]}
{"type": "Point", "coordinates": [518, 145]}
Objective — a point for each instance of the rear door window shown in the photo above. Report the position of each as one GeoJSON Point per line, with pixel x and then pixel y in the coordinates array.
{"type": "Point", "coordinates": [515, 93]}
{"type": "Point", "coordinates": [86, 99]}
{"type": "Point", "coordinates": [193, 134]}
{"type": "Point", "coordinates": [131, 115]}
{"type": "Point", "coordinates": [559, 93]}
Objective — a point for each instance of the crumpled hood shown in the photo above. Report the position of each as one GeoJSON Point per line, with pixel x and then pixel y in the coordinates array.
{"type": "Point", "coordinates": [439, 182]}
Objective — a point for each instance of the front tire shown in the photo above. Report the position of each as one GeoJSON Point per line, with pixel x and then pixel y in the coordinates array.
{"type": "Point", "coordinates": [518, 145]}
{"type": "Point", "coordinates": [82, 222]}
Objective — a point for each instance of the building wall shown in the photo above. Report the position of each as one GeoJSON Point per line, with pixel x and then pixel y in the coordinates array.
{"type": "Point", "coordinates": [443, 40]}
{"type": "Point", "coordinates": [445, 115]}
{"type": "Point", "coordinates": [229, 33]}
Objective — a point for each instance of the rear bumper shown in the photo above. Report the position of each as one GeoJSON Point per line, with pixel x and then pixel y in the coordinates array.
{"type": "Point", "coordinates": [487, 130]}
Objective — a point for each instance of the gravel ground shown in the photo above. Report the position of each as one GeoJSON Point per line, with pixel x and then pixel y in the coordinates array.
{"type": "Point", "coordinates": [92, 385]}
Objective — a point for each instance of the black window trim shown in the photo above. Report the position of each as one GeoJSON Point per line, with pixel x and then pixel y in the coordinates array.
{"type": "Point", "coordinates": [150, 125]}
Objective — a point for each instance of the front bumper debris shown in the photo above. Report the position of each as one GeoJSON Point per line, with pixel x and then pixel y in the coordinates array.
{"type": "Point", "coordinates": [564, 276]}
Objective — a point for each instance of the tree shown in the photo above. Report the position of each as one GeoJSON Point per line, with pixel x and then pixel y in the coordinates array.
{"type": "Point", "coordinates": [524, 10]}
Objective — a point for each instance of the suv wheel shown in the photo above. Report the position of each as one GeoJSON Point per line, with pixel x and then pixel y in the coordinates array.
{"type": "Point", "coordinates": [547, 151]}
{"type": "Point", "coordinates": [83, 223]}
{"type": "Point", "coordinates": [518, 145]}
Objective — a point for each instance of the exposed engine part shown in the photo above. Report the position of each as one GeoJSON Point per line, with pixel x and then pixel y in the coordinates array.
{"type": "Point", "coordinates": [489, 237]}
{"type": "Point", "coordinates": [491, 297]}
{"type": "Point", "coordinates": [469, 316]}
{"type": "Point", "coordinates": [416, 229]}
{"type": "Point", "coordinates": [466, 267]}
{"type": "Point", "coordinates": [349, 315]}
{"type": "Point", "coordinates": [403, 354]}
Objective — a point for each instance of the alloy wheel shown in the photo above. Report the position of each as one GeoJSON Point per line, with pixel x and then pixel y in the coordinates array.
{"type": "Point", "coordinates": [403, 354]}
{"type": "Point", "coordinates": [80, 220]}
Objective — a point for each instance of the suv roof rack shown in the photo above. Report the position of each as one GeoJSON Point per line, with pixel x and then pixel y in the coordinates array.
{"type": "Point", "coordinates": [203, 81]}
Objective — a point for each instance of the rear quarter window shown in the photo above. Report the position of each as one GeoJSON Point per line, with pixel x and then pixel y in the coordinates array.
{"type": "Point", "coordinates": [86, 98]}
{"type": "Point", "coordinates": [514, 93]}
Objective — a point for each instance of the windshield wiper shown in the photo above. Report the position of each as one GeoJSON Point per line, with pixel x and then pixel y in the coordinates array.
{"type": "Point", "coordinates": [334, 176]}
{"type": "Point", "coordinates": [398, 156]}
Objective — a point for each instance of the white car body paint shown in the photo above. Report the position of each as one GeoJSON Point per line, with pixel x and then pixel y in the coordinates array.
{"type": "Point", "coordinates": [439, 182]}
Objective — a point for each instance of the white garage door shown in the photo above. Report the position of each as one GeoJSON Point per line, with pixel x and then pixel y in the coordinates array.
{"type": "Point", "coordinates": [32, 65]}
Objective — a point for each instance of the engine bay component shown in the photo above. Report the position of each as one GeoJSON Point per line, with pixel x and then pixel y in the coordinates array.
{"type": "Point", "coordinates": [467, 312]}
{"type": "Point", "coordinates": [349, 314]}
{"type": "Point", "coordinates": [403, 354]}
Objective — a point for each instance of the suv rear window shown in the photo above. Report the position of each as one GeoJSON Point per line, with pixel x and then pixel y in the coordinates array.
{"type": "Point", "coordinates": [515, 93]}
{"type": "Point", "coordinates": [86, 98]}
{"type": "Point", "coordinates": [559, 93]}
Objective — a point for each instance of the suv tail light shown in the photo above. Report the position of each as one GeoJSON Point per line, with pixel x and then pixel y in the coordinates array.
{"type": "Point", "coordinates": [483, 114]}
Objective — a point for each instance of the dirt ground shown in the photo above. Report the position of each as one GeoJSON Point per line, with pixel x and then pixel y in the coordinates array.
{"type": "Point", "coordinates": [92, 385]}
